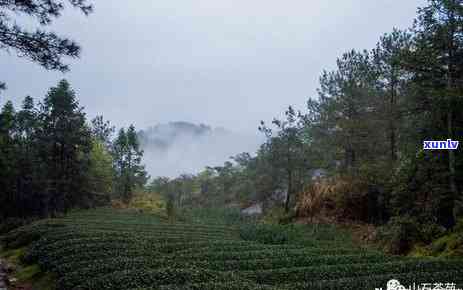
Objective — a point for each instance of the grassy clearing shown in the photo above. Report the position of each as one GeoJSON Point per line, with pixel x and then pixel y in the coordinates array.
{"type": "Point", "coordinates": [215, 249]}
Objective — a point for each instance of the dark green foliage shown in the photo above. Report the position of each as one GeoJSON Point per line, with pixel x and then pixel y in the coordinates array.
{"type": "Point", "coordinates": [313, 274]}
{"type": "Point", "coordinates": [52, 161]}
{"type": "Point", "coordinates": [64, 141]}
{"type": "Point", "coordinates": [10, 224]}
{"type": "Point", "coordinates": [231, 285]}
{"type": "Point", "coordinates": [225, 216]}
{"type": "Point", "coordinates": [45, 157]}
{"type": "Point", "coordinates": [286, 152]}
{"type": "Point", "coordinates": [267, 233]}
{"type": "Point", "coordinates": [140, 278]}
{"type": "Point", "coordinates": [127, 156]}
{"type": "Point", "coordinates": [400, 234]}
{"type": "Point", "coordinates": [376, 281]}
{"type": "Point", "coordinates": [109, 249]}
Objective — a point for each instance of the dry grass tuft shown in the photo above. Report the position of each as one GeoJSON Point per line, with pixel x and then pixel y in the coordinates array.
{"type": "Point", "coordinates": [339, 198]}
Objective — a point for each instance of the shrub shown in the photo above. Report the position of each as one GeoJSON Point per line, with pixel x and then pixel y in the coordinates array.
{"type": "Point", "coordinates": [399, 235]}
{"type": "Point", "coordinates": [214, 216]}
{"type": "Point", "coordinates": [402, 233]}
{"type": "Point", "coordinates": [11, 224]}
{"type": "Point", "coordinates": [266, 233]}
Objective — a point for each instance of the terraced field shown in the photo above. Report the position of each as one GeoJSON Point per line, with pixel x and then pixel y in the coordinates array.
{"type": "Point", "coordinates": [110, 249]}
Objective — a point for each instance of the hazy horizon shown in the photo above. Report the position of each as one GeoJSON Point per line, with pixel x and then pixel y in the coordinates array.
{"type": "Point", "coordinates": [179, 148]}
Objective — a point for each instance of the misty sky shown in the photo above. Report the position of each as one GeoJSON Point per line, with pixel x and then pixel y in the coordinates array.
{"type": "Point", "coordinates": [225, 63]}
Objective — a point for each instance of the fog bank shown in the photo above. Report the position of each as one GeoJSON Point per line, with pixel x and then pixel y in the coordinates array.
{"type": "Point", "coordinates": [181, 147]}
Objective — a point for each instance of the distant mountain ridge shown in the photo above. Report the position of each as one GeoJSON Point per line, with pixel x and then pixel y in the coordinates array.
{"type": "Point", "coordinates": [164, 135]}
{"type": "Point", "coordinates": [182, 147]}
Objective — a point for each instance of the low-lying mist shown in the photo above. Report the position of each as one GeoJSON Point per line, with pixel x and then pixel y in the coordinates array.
{"type": "Point", "coordinates": [181, 147]}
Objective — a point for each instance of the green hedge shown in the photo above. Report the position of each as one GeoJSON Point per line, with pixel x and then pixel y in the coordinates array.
{"type": "Point", "coordinates": [145, 278]}
{"type": "Point", "coordinates": [311, 274]}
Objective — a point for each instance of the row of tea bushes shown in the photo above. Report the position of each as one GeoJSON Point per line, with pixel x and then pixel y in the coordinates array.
{"type": "Point", "coordinates": [113, 249]}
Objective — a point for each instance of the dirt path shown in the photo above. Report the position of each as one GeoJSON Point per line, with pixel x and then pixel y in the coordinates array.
{"type": "Point", "coordinates": [2, 276]}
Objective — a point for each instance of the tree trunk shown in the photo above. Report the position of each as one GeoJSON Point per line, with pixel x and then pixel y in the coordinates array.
{"type": "Point", "coordinates": [452, 182]}
{"type": "Point", "coordinates": [290, 189]}
{"type": "Point", "coordinates": [392, 121]}
{"type": "Point", "coordinates": [450, 90]}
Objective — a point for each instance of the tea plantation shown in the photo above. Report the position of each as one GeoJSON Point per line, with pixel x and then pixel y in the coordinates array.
{"type": "Point", "coordinates": [120, 249]}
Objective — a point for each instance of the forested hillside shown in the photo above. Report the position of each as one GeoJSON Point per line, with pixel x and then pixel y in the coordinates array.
{"type": "Point", "coordinates": [53, 159]}
{"type": "Point", "coordinates": [366, 130]}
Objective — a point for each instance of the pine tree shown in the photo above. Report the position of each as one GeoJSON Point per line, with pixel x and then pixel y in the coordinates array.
{"type": "Point", "coordinates": [127, 155]}
{"type": "Point", "coordinates": [286, 151]}
{"type": "Point", "coordinates": [28, 123]}
{"type": "Point", "coordinates": [8, 154]}
{"type": "Point", "coordinates": [65, 142]}
{"type": "Point", "coordinates": [392, 84]}
{"type": "Point", "coordinates": [436, 62]}
{"type": "Point", "coordinates": [102, 130]}
{"type": "Point", "coordinates": [45, 48]}
{"type": "Point", "coordinates": [348, 100]}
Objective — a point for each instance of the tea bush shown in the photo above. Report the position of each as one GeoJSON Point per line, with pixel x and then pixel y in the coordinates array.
{"type": "Point", "coordinates": [126, 249]}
